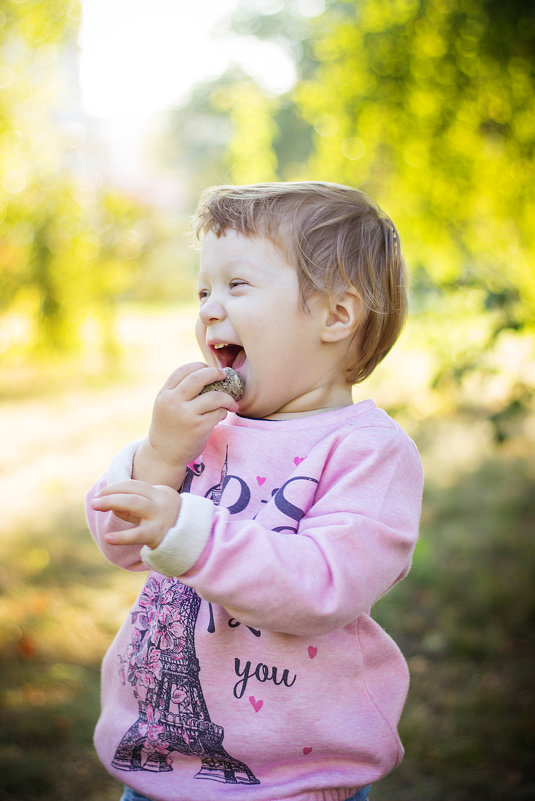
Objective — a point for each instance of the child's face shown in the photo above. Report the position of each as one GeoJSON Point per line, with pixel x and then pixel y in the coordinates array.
{"type": "Point", "coordinates": [250, 318]}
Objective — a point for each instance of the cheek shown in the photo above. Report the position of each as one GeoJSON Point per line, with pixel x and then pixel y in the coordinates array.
{"type": "Point", "coordinates": [200, 335]}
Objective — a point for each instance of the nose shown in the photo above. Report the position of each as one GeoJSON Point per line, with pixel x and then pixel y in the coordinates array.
{"type": "Point", "coordinates": [211, 310]}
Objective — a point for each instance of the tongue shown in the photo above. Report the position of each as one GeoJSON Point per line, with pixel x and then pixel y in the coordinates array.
{"type": "Point", "coordinates": [239, 361]}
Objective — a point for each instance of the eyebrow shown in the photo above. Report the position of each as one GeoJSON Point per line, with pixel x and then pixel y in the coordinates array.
{"type": "Point", "coordinates": [232, 266]}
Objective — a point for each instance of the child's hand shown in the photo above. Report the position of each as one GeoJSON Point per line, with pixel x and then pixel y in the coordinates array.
{"type": "Point", "coordinates": [182, 421]}
{"type": "Point", "coordinates": [154, 510]}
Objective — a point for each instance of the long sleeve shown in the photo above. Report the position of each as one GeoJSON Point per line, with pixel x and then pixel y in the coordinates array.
{"type": "Point", "coordinates": [101, 523]}
{"type": "Point", "coordinates": [353, 542]}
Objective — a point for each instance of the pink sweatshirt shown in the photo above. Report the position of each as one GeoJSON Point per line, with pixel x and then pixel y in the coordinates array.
{"type": "Point", "coordinates": [249, 666]}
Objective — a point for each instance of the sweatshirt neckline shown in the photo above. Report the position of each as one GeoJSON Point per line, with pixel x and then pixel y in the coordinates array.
{"type": "Point", "coordinates": [318, 420]}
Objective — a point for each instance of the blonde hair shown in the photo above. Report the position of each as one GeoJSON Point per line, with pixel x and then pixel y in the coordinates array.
{"type": "Point", "coordinates": [337, 238]}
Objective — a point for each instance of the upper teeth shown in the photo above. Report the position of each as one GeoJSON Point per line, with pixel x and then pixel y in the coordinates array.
{"type": "Point", "coordinates": [221, 345]}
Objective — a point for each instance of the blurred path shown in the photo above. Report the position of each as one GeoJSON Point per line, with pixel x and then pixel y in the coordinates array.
{"type": "Point", "coordinates": [54, 447]}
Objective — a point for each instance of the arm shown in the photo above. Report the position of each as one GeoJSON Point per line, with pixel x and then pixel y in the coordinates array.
{"type": "Point", "coordinates": [137, 501]}
{"type": "Point", "coordinates": [107, 525]}
{"type": "Point", "coordinates": [101, 524]}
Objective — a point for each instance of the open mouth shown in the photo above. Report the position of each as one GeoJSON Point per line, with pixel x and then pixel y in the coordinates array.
{"type": "Point", "coordinates": [228, 355]}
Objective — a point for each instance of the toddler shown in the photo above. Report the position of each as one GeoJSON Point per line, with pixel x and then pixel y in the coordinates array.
{"type": "Point", "coordinates": [249, 666]}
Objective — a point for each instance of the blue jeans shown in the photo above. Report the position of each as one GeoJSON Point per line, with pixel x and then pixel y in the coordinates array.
{"type": "Point", "coordinates": [131, 795]}
{"type": "Point", "coordinates": [362, 795]}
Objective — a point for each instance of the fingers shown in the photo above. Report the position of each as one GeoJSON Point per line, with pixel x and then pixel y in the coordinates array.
{"type": "Point", "coordinates": [216, 401]}
{"type": "Point", "coordinates": [128, 496]}
{"type": "Point", "coordinates": [130, 507]}
{"type": "Point", "coordinates": [154, 510]}
{"type": "Point", "coordinates": [184, 386]}
{"type": "Point", "coordinates": [193, 377]}
{"type": "Point", "coordinates": [181, 373]}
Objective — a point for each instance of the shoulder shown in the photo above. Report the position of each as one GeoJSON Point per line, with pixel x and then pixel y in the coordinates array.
{"type": "Point", "coordinates": [374, 441]}
{"type": "Point", "coordinates": [371, 427]}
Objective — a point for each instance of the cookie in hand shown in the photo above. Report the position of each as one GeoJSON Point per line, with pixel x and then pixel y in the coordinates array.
{"type": "Point", "coordinates": [233, 385]}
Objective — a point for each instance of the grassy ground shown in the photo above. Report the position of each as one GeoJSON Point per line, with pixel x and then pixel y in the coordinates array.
{"type": "Point", "coordinates": [464, 617]}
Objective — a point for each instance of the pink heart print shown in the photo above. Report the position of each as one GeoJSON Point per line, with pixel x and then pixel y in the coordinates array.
{"type": "Point", "coordinates": [260, 480]}
{"type": "Point", "coordinates": [257, 705]}
{"type": "Point", "coordinates": [298, 459]}
{"type": "Point", "coordinates": [312, 651]}
{"type": "Point", "coordinates": [307, 750]}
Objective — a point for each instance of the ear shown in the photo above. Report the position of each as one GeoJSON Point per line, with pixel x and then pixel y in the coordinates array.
{"type": "Point", "coordinates": [342, 318]}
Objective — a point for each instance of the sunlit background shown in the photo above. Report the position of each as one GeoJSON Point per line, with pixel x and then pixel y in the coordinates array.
{"type": "Point", "coordinates": [114, 115]}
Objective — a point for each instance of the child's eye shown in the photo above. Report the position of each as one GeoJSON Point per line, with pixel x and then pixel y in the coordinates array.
{"type": "Point", "coordinates": [237, 282]}
{"type": "Point", "coordinates": [203, 294]}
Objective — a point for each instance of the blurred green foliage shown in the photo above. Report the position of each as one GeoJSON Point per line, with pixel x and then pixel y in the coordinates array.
{"type": "Point", "coordinates": [69, 247]}
{"type": "Point", "coordinates": [429, 105]}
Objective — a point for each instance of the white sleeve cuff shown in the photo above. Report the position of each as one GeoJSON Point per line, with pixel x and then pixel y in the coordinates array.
{"type": "Point", "coordinates": [184, 543]}
{"type": "Point", "coordinates": [122, 464]}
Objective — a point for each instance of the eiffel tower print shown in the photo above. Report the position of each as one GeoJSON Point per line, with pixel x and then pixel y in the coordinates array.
{"type": "Point", "coordinates": [216, 492]}
{"type": "Point", "coordinates": [162, 666]}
